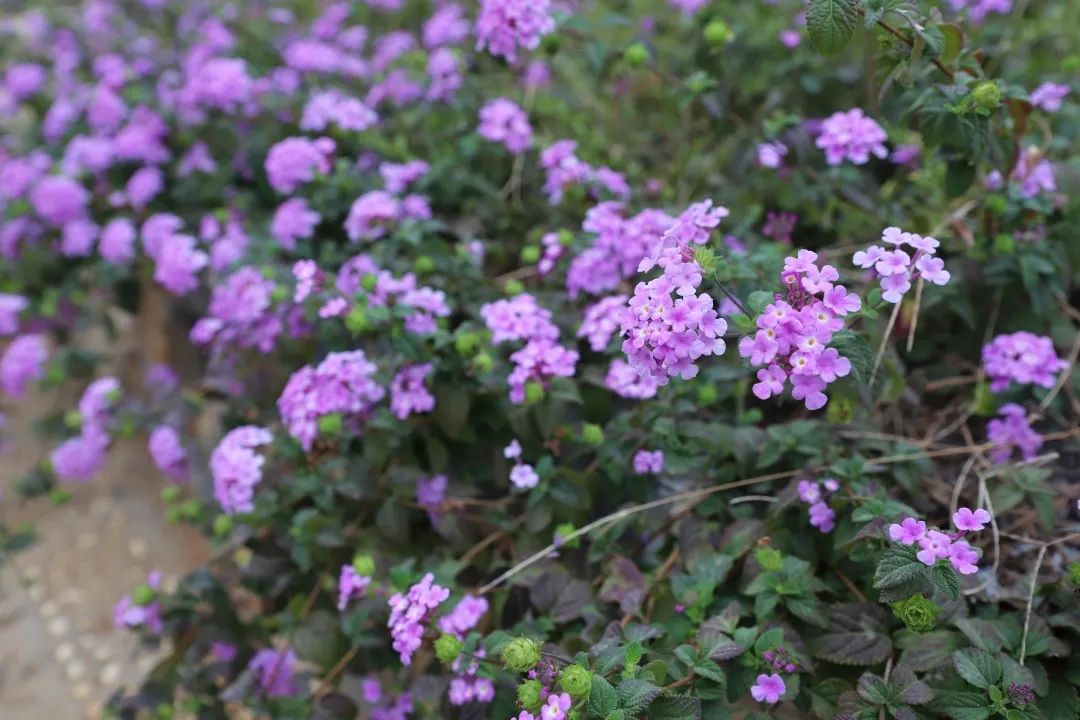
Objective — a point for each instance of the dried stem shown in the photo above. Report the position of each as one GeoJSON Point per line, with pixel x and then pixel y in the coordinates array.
{"type": "Point", "coordinates": [884, 342]}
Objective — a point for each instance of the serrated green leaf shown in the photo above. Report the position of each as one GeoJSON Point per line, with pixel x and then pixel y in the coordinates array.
{"type": "Point", "coordinates": [856, 636]}
{"type": "Point", "coordinates": [831, 24]}
{"type": "Point", "coordinates": [978, 667]}
{"type": "Point", "coordinates": [898, 565]}
{"type": "Point", "coordinates": [873, 689]}
{"type": "Point", "coordinates": [961, 705]}
{"type": "Point", "coordinates": [857, 350]}
{"type": "Point", "coordinates": [603, 698]}
{"type": "Point", "coordinates": [635, 695]}
{"type": "Point", "coordinates": [945, 580]}
{"type": "Point", "coordinates": [675, 707]}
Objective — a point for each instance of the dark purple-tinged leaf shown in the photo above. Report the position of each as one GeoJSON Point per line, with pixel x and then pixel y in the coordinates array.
{"type": "Point", "coordinates": [635, 695]}
{"type": "Point", "coordinates": [856, 636]}
{"type": "Point", "coordinates": [714, 643]}
{"type": "Point", "coordinates": [624, 585]}
{"type": "Point", "coordinates": [912, 690]}
{"type": "Point", "coordinates": [873, 689]}
{"type": "Point", "coordinates": [572, 601]}
{"type": "Point", "coordinates": [675, 707]}
{"type": "Point", "coordinates": [334, 706]}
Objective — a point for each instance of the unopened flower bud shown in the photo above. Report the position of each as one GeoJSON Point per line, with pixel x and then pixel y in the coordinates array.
{"type": "Point", "coordinates": [330, 424]}
{"type": "Point", "coordinates": [917, 612]}
{"type": "Point", "coordinates": [576, 680]}
{"type": "Point", "coordinates": [528, 694]}
{"type": "Point", "coordinates": [530, 255]}
{"type": "Point", "coordinates": [483, 363]}
{"type": "Point", "coordinates": [513, 287]}
{"type": "Point", "coordinates": [369, 281]}
{"type": "Point", "coordinates": [592, 434]}
{"type": "Point", "coordinates": [986, 96]}
{"type": "Point", "coordinates": [356, 321]}
{"type": "Point", "coordinates": [364, 565]}
{"type": "Point", "coordinates": [171, 494]}
{"type": "Point", "coordinates": [717, 32]}
{"type": "Point", "coordinates": [143, 595]}
{"type": "Point", "coordinates": [520, 654]}
{"type": "Point", "coordinates": [769, 558]}
{"type": "Point", "coordinates": [534, 392]}
{"type": "Point", "coordinates": [447, 648]}
{"type": "Point", "coordinates": [223, 525]}
{"type": "Point", "coordinates": [424, 265]}
{"type": "Point", "coordinates": [636, 55]}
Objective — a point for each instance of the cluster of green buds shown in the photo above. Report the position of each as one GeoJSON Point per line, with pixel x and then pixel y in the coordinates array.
{"type": "Point", "coordinates": [918, 613]}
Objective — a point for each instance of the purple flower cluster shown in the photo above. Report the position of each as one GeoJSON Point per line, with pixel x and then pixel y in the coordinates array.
{"type": "Point", "coordinates": [1011, 431]}
{"type": "Point", "coordinates": [851, 136]}
{"type": "Point", "coordinates": [505, 26]}
{"type": "Point", "coordinates": [977, 10]}
{"type": "Point", "coordinates": [620, 246]}
{"type": "Point", "coordinates": [1023, 358]}
{"type": "Point", "coordinates": [146, 614]}
{"type": "Point", "coordinates": [297, 160]}
{"type": "Point", "coordinates": [542, 358]}
{"type": "Point", "coordinates": [771, 154]}
{"type": "Point", "coordinates": [665, 335]}
{"type": "Point", "coordinates": [623, 380]}
{"type": "Point", "coordinates": [935, 545]}
{"type": "Point", "coordinates": [409, 613]}
{"type": "Point", "coordinates": [274, 672]}
{"type": "Point", "coordinates": [237, 469]}
{"type": "Point", "coordinates": [522, 475]}
{"type": "Point", "coordinates": [793, 334]}
{"type": "Point", "coordinates": [332, 107]}
{"type": "Point", "coordinates": [464, 617]}
{"type": "Point", "coordinates": [407, 392]}
{"type": "Point", "coordinates": [563, 169]}
{"type": "Point", "coordinates": [23, 363]}
{"type": "Point", "coordinates": [341, 383]}
{"type": "Point", "coordinates": [241, 313]}
{"type": "Point", "coordinates": [293, 220]}
{"type": "Point", "coordinates": [1048, 96]}
{"type": "Point", "coordinates": [816, 495]}
{"type": "Point", "coordinates": [648, 462]}
{"type": "Point", "coordinates": [467, 686]}
{"type": "Point", "coordinates": [781, 659]}
{"type": "Point", "coordinates": [1033, 173]}
{"type": "Point", "coordinates": [176, 256]}
{"type": "Point", "coordinates": [896, 268]}
{"type": "Point", "coordinates": [79, 458]}
{"type": "Point", "coordinates": [351, 585]}
{"type": "Point", "coordinates": [553, 250]}
{"type": "Point", "coordinates": [502, 121]}
{"type": "Point", "coordinates": [168, 452]}
{"type": "Point", "coordinates": [602, 321]}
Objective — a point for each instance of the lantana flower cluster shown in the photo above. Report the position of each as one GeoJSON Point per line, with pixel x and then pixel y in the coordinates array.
{"type": "Point", "coordinates": [408, 394]}
{"type": "Point", "coordinates": [142, 608]}
{"type": "Point", "coordinates": [80, 458]}
{"type": "Point", "coordinates": [505, 26]}
{"type": "Point", "coordinates": [935, 545]}
{"type": "Point", "coordinates": [1010, 432]}
{"type": "Point", "coordinates": [409, 613]}
{"type": "Point", "coordinates": [791, 343]}
{"type": "Point", "coordinates": [522, 475]}
{"type": "Point", "coordinates": [897, 268]}
{"type": "Point", "coordinates": [542, 358]}
{"type": "Point", "coordinates": [851, 136]}
{"type": "Point", "coordinates": [564, 170]}
{"type": "Point", "coordinates": [669, 325]}
{"type": "Point", "coordinates": [1023, 358]}
{"type": "Point", "coordinates": [237, 469]}
{"type": "Point", "coordinates": [816, 495]}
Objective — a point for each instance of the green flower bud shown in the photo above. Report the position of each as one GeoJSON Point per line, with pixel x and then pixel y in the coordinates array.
{"type": "Point", "coordinates": [576, 680]}
{"type": "Point", "coordinates": [769, 558]}
{"type": "Point", "coordinates": [551, 43]}
{"type": "Point", "coordinates": [171, 494]}
{"type": "Point", "coordinates": [986, 96]}
{"type": "Point", "coordinates": [1004, 244]}
{"type": "Point", "coordinates": [465, 343]}
{"type": "Point", "coordinates": [564, 530]}
{"type": "Point", "coordinates": [73, 419]}
{"type": "Point", "coordinates": [191, 509]}
{"type": "Point", "coordinates": [717, 32]}
{"type": "Point", "coordinates": [530, 255]}
{"type": "Point", "coordinates": [447, 648]}
{"type": "Point", "coordinates": [592, 434]}
{"type": "Point", "coordinates": [514, 287]}
{"type": "Point", "coordinates": [173, 514]}
{"type": "Point", "coordinates": [223, 525]}
{"type": "Point", "coordinates": [424, 265]}
{"type": "Point", "coordinates": [917, 613]}
{"type": "Point", "coordinates": [278, 294]}
{"type": "Point", "coordinates": [364, 565]}
{"type": "Point", "coordinates": [534, 392]}
{"type": "Point", "coordinates": [636, 55]}
{"type": "Point", "coordinates": [369, 281]}
{"type": "Point", "coordinates": [356, 321]}
{"type": "Point", "coordinates": [528, 694]}
{"type": "Point", "coordinates": [841, 410]}
{"type": "Point", "coordinates": [483, 363]}
{"type": "Point", "coordinates": [330, 424]}
{"type": "Point", "coordinates": [706, 394]}
{"type": "Point", "coordinates": [520, 654]}
{"type": "Point", "coordinates": [1074, 573]}
{"type": "Point", "coordinates": [565, 238]}
{"type": "Point", "coordinates": [143, 595]}
{"type": "Point", "coordinates": [706, 259]}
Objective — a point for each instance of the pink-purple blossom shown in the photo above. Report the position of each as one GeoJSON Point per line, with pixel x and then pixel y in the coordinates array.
{"type": "Point", "coordinates": [1023, 358]}
{"type": "Point", "coordinates": [503, 27]}
{"type": "Point", "coordinates": [502, 121]}
{"type": "Point", "coordinates": [409, 613]}
{"type": "Point", "coordinates": [274, 672]}
{"type": "Point", "coordinates": [351, 585]}
{"type": "Point", "coordinates": [23, 362]}
{"type": "Point", "coordinates": [648, 462]}
{"type": "Point", "coordinates": [408, 394]}
{"type": "Point", "coordinates": [768, 688]}
{"type": "Point", "coordinates": [851, 136]}
{"type": "Point", "coordinates": [295, 161]}
{"type": "Point", "coordinates": [168, 452]}
{"type": "Point", "coordinates": [237, 469]}
{"type": "Point", "coordinates": [1011, 431]}
{"type": "Point", "coordinates": [897, 268]}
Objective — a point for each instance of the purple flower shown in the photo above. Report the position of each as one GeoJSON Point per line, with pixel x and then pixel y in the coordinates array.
{"type": "Point", "coordinates": [771, 154]}
{"type": "Point", "coordinates": [556, 707]}
{"type": "Point", "coordinates": [430, 492]}
{"type": "Point", "coordinates": [177, 264]}
{"type": "Point", "coordinates": [963, 558]}
{"type": "Point", "coordinates": [296, 160]}
{"type": "Point", "coordinates": [649, 463]}
{"type": "Point", "coordinates": [143, 186]}
{"type": "Point", "coordinates": [851, 136]}
{"type": "Point", "coordinates": [23, 363]}
{"type": "Point", "coordinates": [908, 532]}
{"type": "Point", "coordinates": [274, 672]}
{"type": "Point", "coordinates": [80, 458]}
{"type": "Point", "coordinates": [523, 477]}
{"type": "Point", "coordinates": [397, 177]}
{"type": "Point", "coordinates": [519, 318]}
{"type": "Point", "coordinates": [1048, 96]}
{"type": "Point", "coordinates": [351, 585]}
{"type": "Point", "coordinates": [512, 451]}
{"type": "Point", "coordinates": [464, 617]}
{"type": "Point", "coordinates": [504, 26]}
{"type": "Point", "coordinates": [502, 121]}
{"type": "Point", "coordinates": [58, 200]}
{"type": "Point", "coordinates": [933, 547]}
{"type": "Point", "coordinates": [409, 613]}
{"type": "Point", "coordinates": [370, 215]}
{"type": "Point", "coordinates": [117, 241]}
{"type": "Point", "coordinates": [293, 220]}
{"type": "Point", "coordinates": [768, 688]}
{"type": "Point", "coordinates": [24, 79]}
{"type": "Point", "coordinates": [129, 614]}
{"type": "Point", "coordinates": [237, 469]}
{"type": "Point", "coordinates": [969, 520]}
{"type": "Point", "coordinates": [1023, 358]}
{"type": "Point", "coordinates": [407, 392]}
{"type": "Point", "coordinates": [1034, 173]}
{"type": "Point", "coordinates": [1012, 430]}
{"type": "Point", "coordinates": [624, 381]}
{"type": "Point", "coordinates": [602, 321]}
{"type": "Point", "coordinates": [168, 452]}
{"type": "Point", "coordinates": [10, 307]}
{"type": "Point", "coordinates": [822, 517]}
{"type": "Point", "coordinates": [977, 10]}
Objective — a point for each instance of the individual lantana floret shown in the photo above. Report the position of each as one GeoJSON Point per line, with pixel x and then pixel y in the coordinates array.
{"type": "Point", "coordinates": [791, 344]}
{"type": "Point", "coordinates": [409, 613]}
{"type": "Point", "coordinates": [1023, 358]}
{"type": "Point", "coordinates": [935, 545]}
{"type": "Point", "coordinates": [897, 268]}
{"type": "Point", "coordinates": [522, 475]}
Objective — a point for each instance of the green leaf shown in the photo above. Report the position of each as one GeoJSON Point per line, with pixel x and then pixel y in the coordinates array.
{"type": "Point", "coordinates": [946, 580]}
{"type": "Point", "coordinates": [873, 689]}
{"type": "Point", "coordinates": [675, 707]}
{"type": "Point", "coordinates": [1061, 703]}
{"type": "Point", "coordinates": [635, 695]}
{"type": "Point", "coordinates": [759, 299]}
{"type": "Point", "coordinates": [603, 698]}
{"type": "Point", "coordinates": [978, 667]}
{"type": "Point", "coordinates": [831, 24]}
{"type": "Point", "coordinates": [961, 705]}
{"type": "Point", "coordinates": [898, 565]}
{"type": "Point", "coordinates": [856, 636]}
{"type": "Point", "coordinates": [856, 349]}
